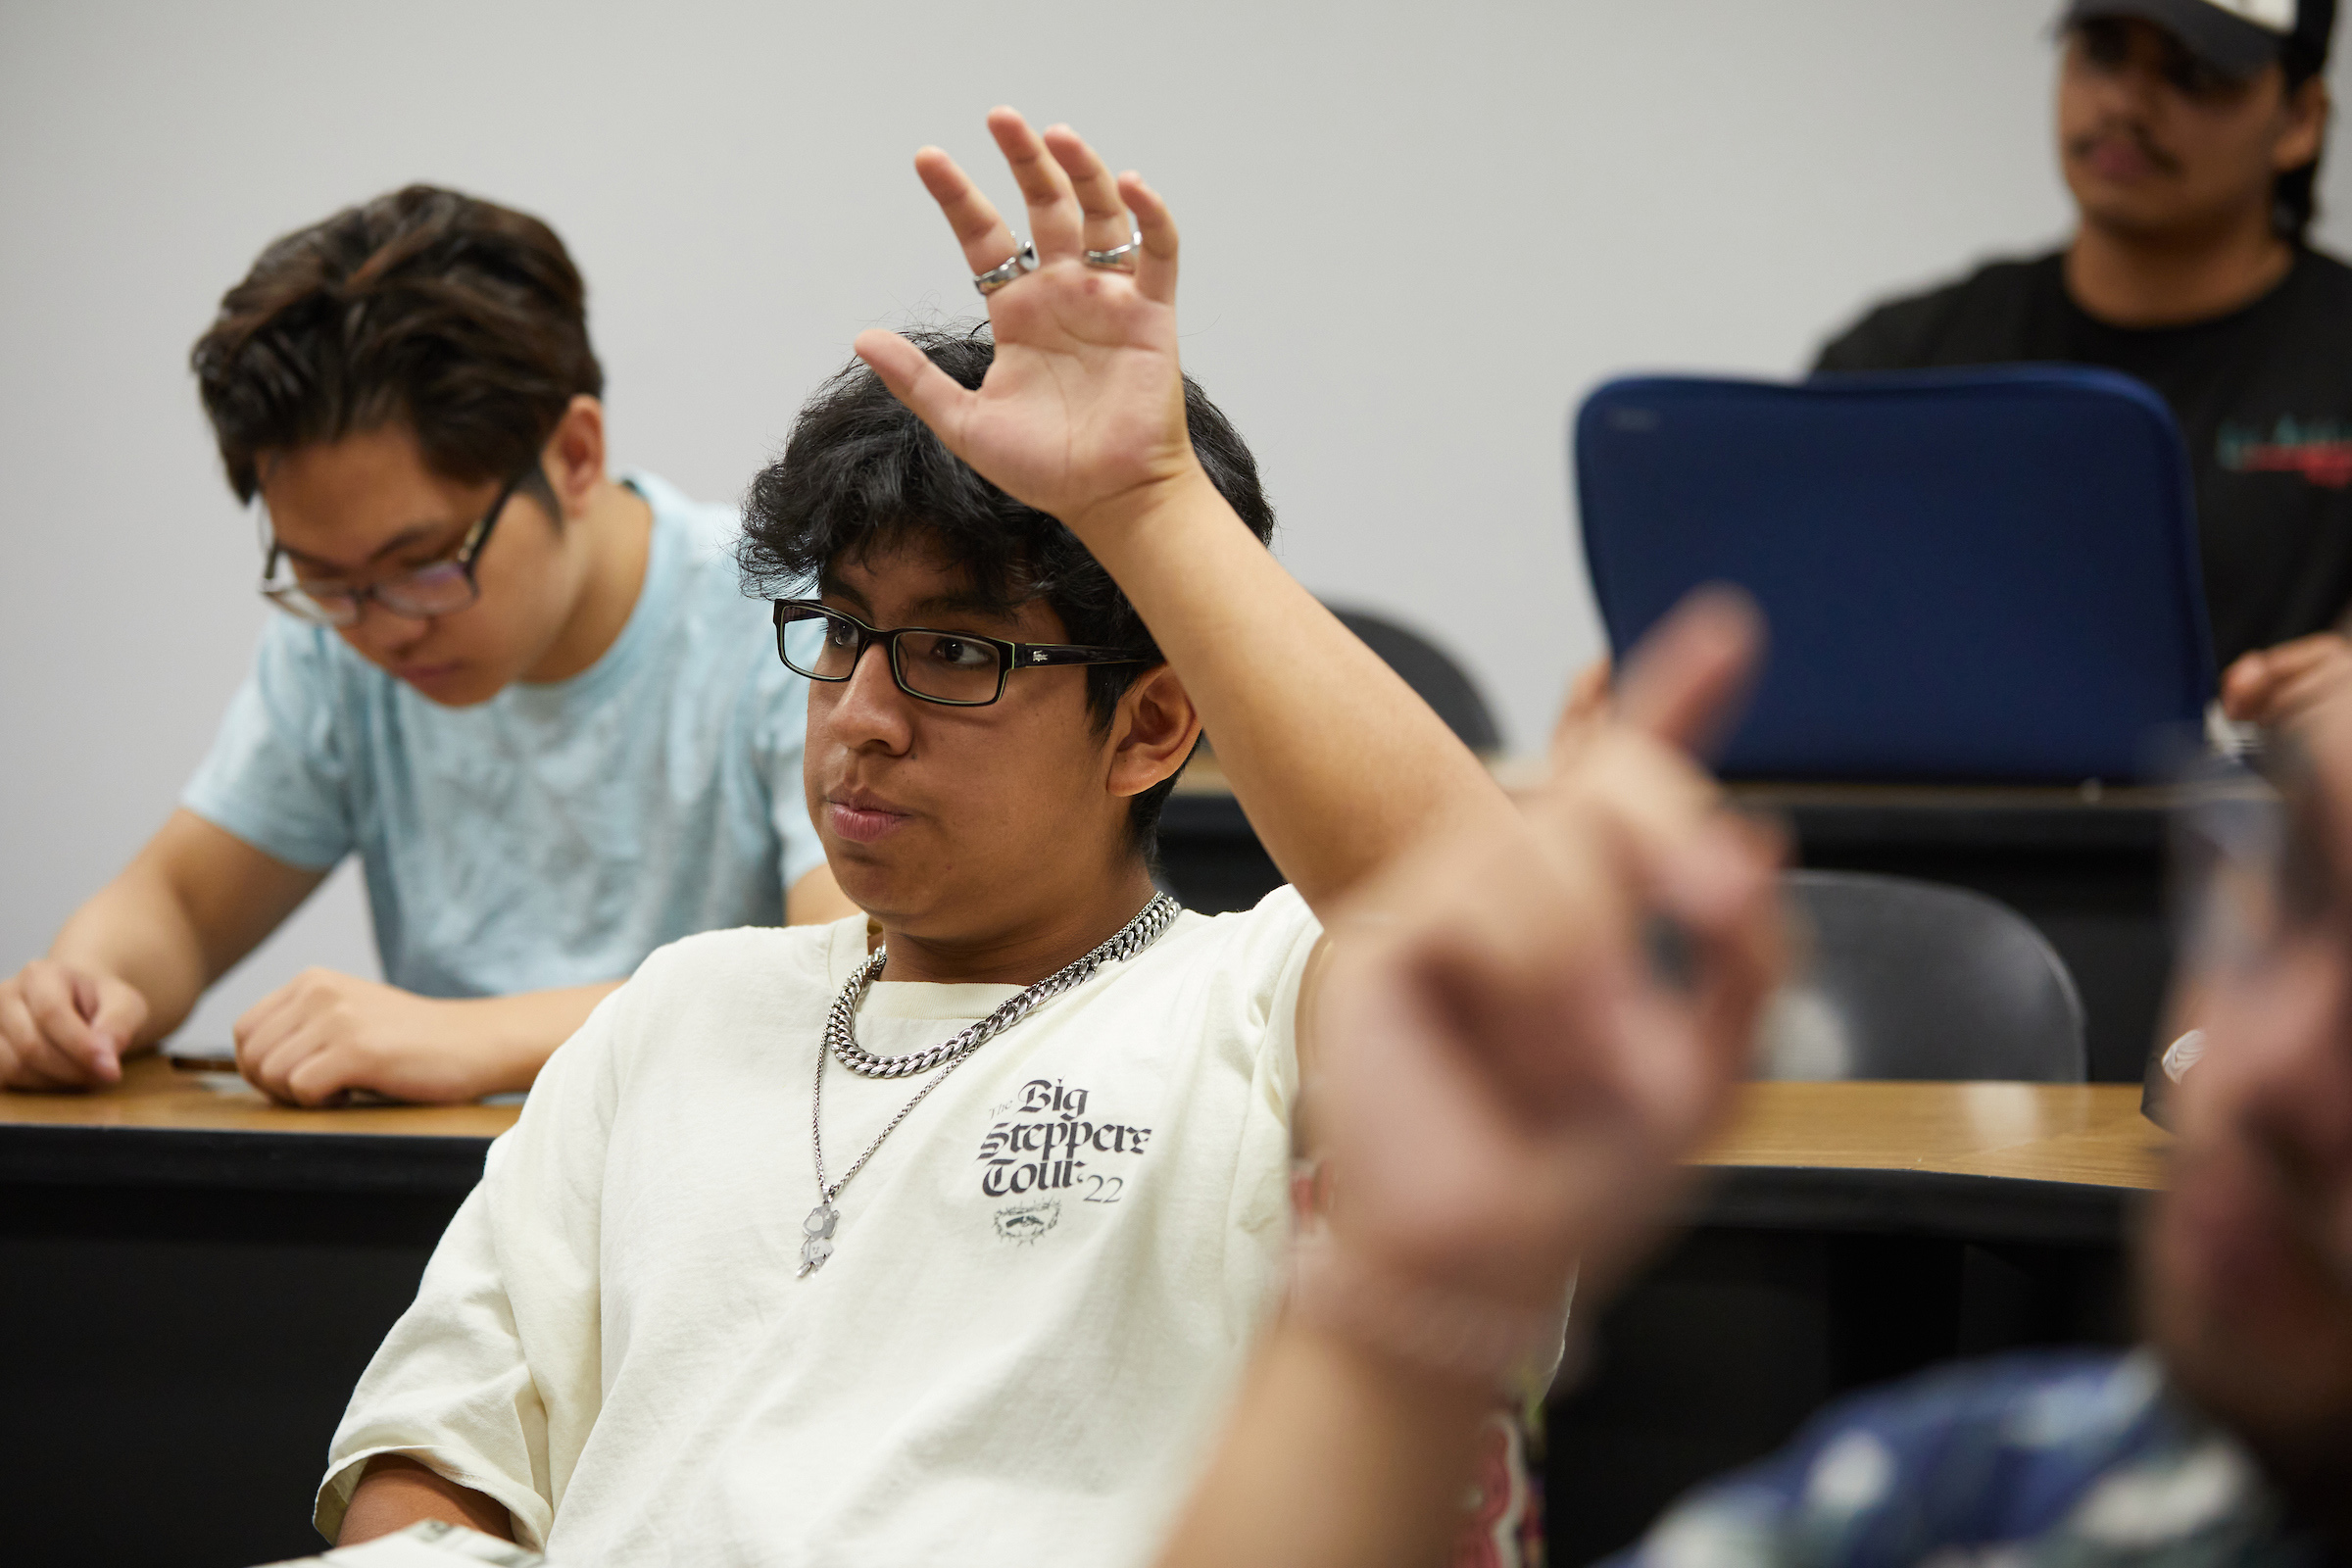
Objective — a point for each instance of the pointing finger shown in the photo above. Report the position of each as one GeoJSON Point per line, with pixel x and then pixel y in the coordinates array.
{"type": "Point", "coordinates": [1683, 684]}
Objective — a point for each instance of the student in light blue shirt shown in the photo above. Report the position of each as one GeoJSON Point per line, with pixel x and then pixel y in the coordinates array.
{"type": "Point", "coordinates": [529, 696]}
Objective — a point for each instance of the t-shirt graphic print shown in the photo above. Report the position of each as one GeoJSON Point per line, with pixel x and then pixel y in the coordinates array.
{"type": "Point", "coordinates": [1044, 1143]}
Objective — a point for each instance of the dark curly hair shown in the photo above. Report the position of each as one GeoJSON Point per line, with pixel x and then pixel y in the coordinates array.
{"type": "Point", "coordinates": [862, 473]}
{"type": "Point", "coordinates": [462, 319]}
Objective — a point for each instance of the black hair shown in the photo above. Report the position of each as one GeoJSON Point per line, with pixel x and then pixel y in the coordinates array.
{"type": "Point", "coordinates": [861, 472]}
{"type": "Point", "coordinates": [2294, 195]}
{"type": "Point", "coordinates": [462, 319]}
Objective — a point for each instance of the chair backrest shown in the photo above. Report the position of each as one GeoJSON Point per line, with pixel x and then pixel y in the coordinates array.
{"type": "Point", "coordinates": [1434, 676]}
{"type": "Point", "coordinates": [1916, 980]}
{"type": "Point", "coordinates": [1969, 575]}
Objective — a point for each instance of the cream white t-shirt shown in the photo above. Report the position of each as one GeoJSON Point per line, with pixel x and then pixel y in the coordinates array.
{"type": "Point", "coordinates": [1044, 1287]}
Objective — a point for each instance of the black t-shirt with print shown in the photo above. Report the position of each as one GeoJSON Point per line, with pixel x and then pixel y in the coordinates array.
{"type": "Point", "coordinates": [2264, 397]}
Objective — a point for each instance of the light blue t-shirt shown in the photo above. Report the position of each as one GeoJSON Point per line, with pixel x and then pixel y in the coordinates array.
{"type": "Point", "coordinates": [556, 834]}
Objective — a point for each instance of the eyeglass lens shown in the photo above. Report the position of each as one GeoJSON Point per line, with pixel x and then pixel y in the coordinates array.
{"type": "Point", "coordinates": [442, 588]}
{"type": "Point", "coordinates": [929, 663]}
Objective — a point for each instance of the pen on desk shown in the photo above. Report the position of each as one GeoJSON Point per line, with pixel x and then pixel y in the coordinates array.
{"type": "Point", "coordinates": [194, 1061]}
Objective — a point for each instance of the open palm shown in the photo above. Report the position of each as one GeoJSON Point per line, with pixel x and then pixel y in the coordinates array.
{"type": "Point", "coordinates": [1084, 404]}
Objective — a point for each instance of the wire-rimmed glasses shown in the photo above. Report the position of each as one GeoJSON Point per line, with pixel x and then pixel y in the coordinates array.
{"type": "Point", "coordinates": [957, 668]}
{"type": "Point", "coordinates": [440, 587]}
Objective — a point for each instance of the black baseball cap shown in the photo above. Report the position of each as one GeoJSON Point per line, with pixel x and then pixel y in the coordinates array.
{"type": "Point", "coordinates": [2236, 37]}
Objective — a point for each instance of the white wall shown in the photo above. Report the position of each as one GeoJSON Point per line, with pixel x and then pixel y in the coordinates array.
{"type": "Point", "coordinates": [1414, 235]}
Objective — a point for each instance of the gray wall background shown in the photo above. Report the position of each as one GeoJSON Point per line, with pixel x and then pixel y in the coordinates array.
{"type": "Point", "coordinates": [1415, 234]}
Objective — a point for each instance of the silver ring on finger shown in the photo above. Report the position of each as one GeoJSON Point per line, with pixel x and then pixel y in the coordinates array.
{"type": "Point", "coordinates": [1119, 258]}
{"type": "Point", "coordinates": [1007, 270]}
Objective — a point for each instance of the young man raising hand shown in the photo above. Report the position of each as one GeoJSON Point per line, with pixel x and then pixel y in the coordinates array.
{"type": "Point", "coordinates": [947, 1239]}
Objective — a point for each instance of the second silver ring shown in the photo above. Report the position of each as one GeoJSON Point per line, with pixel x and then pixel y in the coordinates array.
{"type": "Point", "coordinates": [1119, 258]}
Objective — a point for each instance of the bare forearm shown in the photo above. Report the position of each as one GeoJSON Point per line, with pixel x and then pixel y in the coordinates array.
{"type": "Point", "coordinates": [396, 1491]}
{"type": "Point", "coordinates": [515, 1034]}
{"type": "Point", "coordinates": [1338, 764]}
{"type": "Point", "coordinates": [324, 1036]}
{"type": "Point", "coordinates": [194, 901]}
{"type": "Point", "coordinates": [1333, 1459]}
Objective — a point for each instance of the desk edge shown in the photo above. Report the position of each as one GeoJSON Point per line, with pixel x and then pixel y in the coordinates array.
{"type": "Point", "coordinates": [52, 1155]}
{"type": "Point", "coordinates": [1913, 1202]}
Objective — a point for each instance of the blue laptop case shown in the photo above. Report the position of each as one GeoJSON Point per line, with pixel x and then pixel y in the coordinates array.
{"type": "Point", "coordinates": [1978, 575]}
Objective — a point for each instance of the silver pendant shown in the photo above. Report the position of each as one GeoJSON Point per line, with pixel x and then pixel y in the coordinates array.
{"type": "Point", "coordinates": [819, 1245]}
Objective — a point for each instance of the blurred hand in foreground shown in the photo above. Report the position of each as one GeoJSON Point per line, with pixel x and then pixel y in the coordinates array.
{"type": "Point", "coordinates": [1520, 1040]}
{"type": "Point", "coordinates": [1517, 1041]}
{"type": "Point", "coordinates": [2276, 686]}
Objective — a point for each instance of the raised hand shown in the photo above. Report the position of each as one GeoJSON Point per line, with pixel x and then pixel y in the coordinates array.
{"type": "Point", "coordinates": [1082, 413]}
{"type": "Point", "coordinates": [1508, 1076]}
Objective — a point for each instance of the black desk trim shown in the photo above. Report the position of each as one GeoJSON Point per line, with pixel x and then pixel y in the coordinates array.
{"type": "Point", "coordinates": [1897, 1203]}
{"type": "Point", "coordinates": [1826, 827]}
{"type": "Point", "coordinates": [49, 1155]}
{"type": "Point", "coordinates": [1913, 1202]}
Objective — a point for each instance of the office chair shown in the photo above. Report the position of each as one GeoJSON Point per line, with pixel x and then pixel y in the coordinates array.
{"type": "Point", "coordinates": [1915, 980]}
{"type": "Point", "coordinates": [1433, 675]}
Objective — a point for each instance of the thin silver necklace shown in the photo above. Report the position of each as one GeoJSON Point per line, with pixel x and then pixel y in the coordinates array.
{"type": "Point", "coordinates": [841, 1042]}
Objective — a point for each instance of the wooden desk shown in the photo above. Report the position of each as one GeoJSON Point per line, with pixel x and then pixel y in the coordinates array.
{"type": "Point", "coordinates": [1851, 1233]}
{"type": "Point", "coordinates": [161, 1129]}
{"type": "Point", "coordinates": [198, 1273]}
{"type": "Point", "coordinates": [2043, 1164]}
{"type": "Point", "coordinates": [166, 1127]}
{"type": "Point", "coordinates": [2082, 1134]}
{"type": "Point", "coordinates": [2087, 867]}
{"type": "Point", "coordinates": [211, 1272]}
{"type": "Point", "coordinates": [156, 1096]}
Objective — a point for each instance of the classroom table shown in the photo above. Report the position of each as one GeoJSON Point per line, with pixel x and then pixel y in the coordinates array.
{"type": "Point", "coordinates": [1984, 1160]}
{"type": "Point", "coordinates": [2058, 1164]}
{"type": "Point", "coordinates": [2086, 866]}
{"type": "Point", "coordinates": [195, 1277]}
{"type": "Point", "coordinates": [1853, 1233]}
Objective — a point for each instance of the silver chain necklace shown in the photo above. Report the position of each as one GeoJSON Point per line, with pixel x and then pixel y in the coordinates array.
{"type": "Point", "coordinates": [841, 1042]}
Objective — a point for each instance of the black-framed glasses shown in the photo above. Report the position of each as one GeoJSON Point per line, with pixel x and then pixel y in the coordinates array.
{"type": "Point", "coordinates": [960, 668]}
{"type": "Point", "coordinates": [440, 587]}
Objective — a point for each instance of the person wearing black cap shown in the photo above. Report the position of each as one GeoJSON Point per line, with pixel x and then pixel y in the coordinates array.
{"type": "Point", "coordinates": [2189, 133]}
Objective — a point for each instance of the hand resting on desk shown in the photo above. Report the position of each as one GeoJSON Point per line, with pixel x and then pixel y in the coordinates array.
{"type": "Point", "coordinates": [322, 1035]}
{"type": "Point", "coordinates": [63, 1026]}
